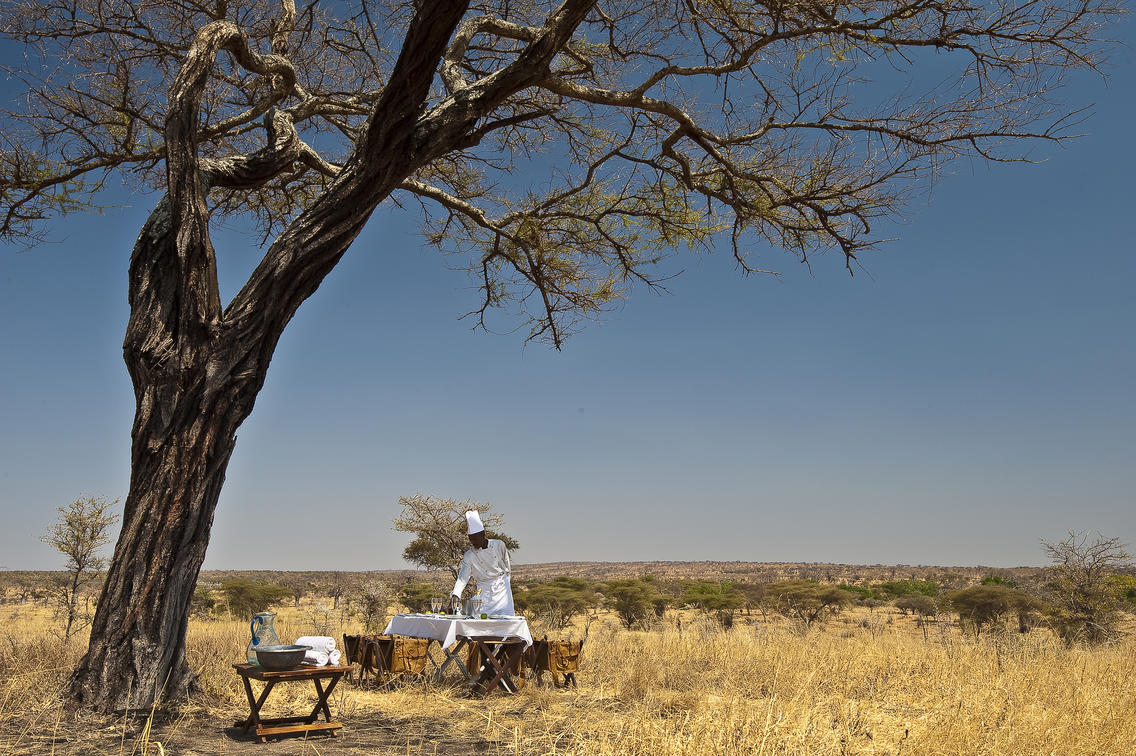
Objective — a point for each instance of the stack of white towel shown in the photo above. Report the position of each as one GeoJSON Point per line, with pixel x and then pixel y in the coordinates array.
{"type": "Point", "coordinates": [321, 650]}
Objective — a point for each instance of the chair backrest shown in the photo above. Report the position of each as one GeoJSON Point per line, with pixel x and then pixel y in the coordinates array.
{"type": "Point", "coordinates": [406, 654]}
{"type": "Point", "coordinates": [555, 655]}
{"type": "Point", "coordinates": [564, 656]}
{"type": "Point", "coordinates": [351, 648]}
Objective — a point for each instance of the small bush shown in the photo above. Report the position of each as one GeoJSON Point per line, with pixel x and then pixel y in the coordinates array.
{"type": "Point", "coordinates": [988, 604]}
{"type": "Point", "coordinates": [558, 601]}
{"type": "Point", "coordinates": [806, 601]}
{"type": "Point", "coordinates": [245, 598]}
{"type": "Point", "coordinates": [718, 600]}
{"type": "Point", "coordinates": [897, 588]}
{"type": "Point", "coordinates": [634, 600]}
{"type": "Point", "coordinates": [916, 604]}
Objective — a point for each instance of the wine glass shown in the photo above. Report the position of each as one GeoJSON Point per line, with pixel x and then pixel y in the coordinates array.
{"type": "Point", "coordinates": [435, 605]}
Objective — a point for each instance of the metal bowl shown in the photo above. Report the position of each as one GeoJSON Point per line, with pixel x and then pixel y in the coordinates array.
{"type": "Point", "coordinates": [280, 657]}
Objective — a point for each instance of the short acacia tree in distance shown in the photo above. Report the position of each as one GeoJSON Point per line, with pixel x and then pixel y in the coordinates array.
{"type": "Point", "coordinates": [918, 604]}
{"type": "Point", "coordinates": [806, 601]}
{"type": "Point", "coordinates": [439, 529]}
{"type": "Point", "coordinates": [80, 531]}
{"type": "Point", "coordinates": [988, 604]}
{"type": "Point", "coordinates": [635, 601]}
{"type": "Point", "coordinates": [245, 597]}
{"type": "Point", "coordinates": [557, 601]}
{"type": "Point", "coordinates": [1082, 590]}
{"type": "Point", "coordinates": [417, 596]}
{"type": "Point", "coordinates": [719, 600]}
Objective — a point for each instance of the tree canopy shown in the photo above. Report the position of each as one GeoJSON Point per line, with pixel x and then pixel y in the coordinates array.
{"type": "Point", "coordinates": [439, 529]}
{"type": "Point", "coordinates": [1083, 586]}
{"type": "Point", "coordinates": [560, 152]}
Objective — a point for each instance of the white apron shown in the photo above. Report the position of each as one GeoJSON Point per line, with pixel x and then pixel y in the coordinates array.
{"type": "Point", "coordinates": [497, 596]}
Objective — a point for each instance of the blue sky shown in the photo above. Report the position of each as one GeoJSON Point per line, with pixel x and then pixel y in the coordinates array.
{"type": "Point", "coordinates": [969, 393]}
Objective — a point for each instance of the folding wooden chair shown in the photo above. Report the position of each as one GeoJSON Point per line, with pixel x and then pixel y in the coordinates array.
{"type": "Point", "coordinates": [560, 657]}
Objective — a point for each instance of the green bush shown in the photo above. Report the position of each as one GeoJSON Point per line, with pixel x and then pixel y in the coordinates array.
{"type": "Point", "coordinates": [1125, 586]}
{"type": "Point", "coordinates": [417, 596]}
{"type": "Point", "coordinates": [244, 598]}
{"type": "Point", "coordinates": [806, 600]}
{"type": "Point", "coordinates": [558, 600]}
{"type": "Point", "coordinates": [896, 588]}
{"type": "Point", "coordinates": [995, 580]}
{"type": "Point", "coordinates": [719, 600]}
{"type": "Point", "coordinates": [862, 592]}
{"type": "Point", "coordinates": [635, 601]}
{"type": "Point", "coordinates": [988, 604]}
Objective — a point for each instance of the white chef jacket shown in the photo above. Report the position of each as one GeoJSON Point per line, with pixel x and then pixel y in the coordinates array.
{"type": "Point", "coordinates": [491, 569]}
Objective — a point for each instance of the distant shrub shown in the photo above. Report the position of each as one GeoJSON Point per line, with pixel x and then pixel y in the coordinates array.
{"type": "Point", "coordinates": [754, 594]}
{"type": "Point", "coordinates": [371, 604]}
{"type": "Point", "coordinates": [635, 601]}
{"type": "Point", "coordinates": [916, 604]}
{"type": "Point", "coordinates": [897, 588]}
{"type": "Point", "coordinates": [861, 592]}
{"type": "Point", "coordinates": [245, 598]}
{"type": "Point", "coordinates": [203, 602]}
{"type": "Point", "coordinates": [719, 600]}
{"type": "Point", "coordinates": [996, 580]}
{"type": "Point", "coordinates": [417, 596]}
{"type": "Point", "coordinates": [806, 601]}
{"type": "Point", "coordinates": [1125, 586]}
{"type": "Point", "coordinates": [988, 604]}
{"type": "Point", "coordinates": [557, 601]}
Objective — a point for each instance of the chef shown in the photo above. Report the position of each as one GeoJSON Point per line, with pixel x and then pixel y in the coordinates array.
{"type": "Point", "coordinates": [487, 562]}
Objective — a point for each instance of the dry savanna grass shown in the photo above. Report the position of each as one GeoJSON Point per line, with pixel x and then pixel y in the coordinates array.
{"type": "Point", "coordinates": [867, 683]}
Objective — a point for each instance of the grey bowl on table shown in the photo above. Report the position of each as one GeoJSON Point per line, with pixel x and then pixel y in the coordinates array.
{"type": "Point", "coordinates": [278, 658]}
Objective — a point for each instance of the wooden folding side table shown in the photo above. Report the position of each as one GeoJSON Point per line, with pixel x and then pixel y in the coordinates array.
{"type": "Point", "coordinates": [296, 724]}
{"type": "Point", "coordinates": [498, 657]}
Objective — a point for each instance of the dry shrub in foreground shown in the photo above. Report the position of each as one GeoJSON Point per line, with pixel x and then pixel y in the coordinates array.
{"type": "Point", "coordinates": [767, 690]}
{"type": "Point", "coordinates": [854, 687]}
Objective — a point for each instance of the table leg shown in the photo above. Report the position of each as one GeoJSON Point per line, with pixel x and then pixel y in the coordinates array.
{"type": "Point", "coordinates": [509, 655]}
{"type": "Point", "coordinates": [430, 656]}
{"type": "Point", "coordinates": [454, 656]}
{"type": "Point", "coordinates": [254, 706]}
{"type": "Point", "coordinates": [321, 700]}
{"type": "Point", "coordinates": [254, 710]}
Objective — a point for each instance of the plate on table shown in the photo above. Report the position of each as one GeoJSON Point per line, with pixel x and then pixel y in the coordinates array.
{"type": "Point", "coordinates": [503, 616]}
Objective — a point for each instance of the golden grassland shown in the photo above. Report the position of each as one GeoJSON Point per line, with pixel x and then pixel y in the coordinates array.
{"type": "Point", "coordinates": [867, 683]}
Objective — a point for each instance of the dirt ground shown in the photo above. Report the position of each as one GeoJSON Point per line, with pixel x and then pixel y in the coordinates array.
{"type": "Point", "coordinates": [198, 735]}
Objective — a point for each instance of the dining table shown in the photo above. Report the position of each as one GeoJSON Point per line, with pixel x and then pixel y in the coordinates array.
{"type": "Point", "coordinates": [500, 639]}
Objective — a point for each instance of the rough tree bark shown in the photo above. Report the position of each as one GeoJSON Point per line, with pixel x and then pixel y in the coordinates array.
{"type": "Point", "coordinates": [197, 369]}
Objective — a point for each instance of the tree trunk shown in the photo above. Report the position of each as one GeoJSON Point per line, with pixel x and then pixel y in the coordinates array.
{"type": "Point", "coordinates": [190, 398]}
{"type": "Point", "coordinates": [137, 649]}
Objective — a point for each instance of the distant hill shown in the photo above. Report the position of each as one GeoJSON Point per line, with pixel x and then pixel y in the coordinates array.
{"type": "Point", "coordinates": [764, 572]}
{"type": "Point", "coordinates": [14, 583]}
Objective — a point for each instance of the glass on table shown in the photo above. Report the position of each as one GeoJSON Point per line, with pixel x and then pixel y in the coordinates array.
{"type": "Point", "coordinates": [435, 605]}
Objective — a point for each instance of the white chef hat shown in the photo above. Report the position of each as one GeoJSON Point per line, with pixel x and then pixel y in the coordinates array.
{"type": "Point", "coordinates": [473, 521]}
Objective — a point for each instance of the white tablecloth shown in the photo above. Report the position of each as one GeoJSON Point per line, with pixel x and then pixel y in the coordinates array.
{"type": "Point", "coordinates": [446, 630]}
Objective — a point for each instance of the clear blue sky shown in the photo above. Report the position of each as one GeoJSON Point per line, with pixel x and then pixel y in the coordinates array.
{"type": "Point", "coordinates": [969, 393]}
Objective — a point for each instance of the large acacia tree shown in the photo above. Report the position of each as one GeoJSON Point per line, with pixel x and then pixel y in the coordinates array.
{"type": "Point", "coordinates": [559, 151]}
